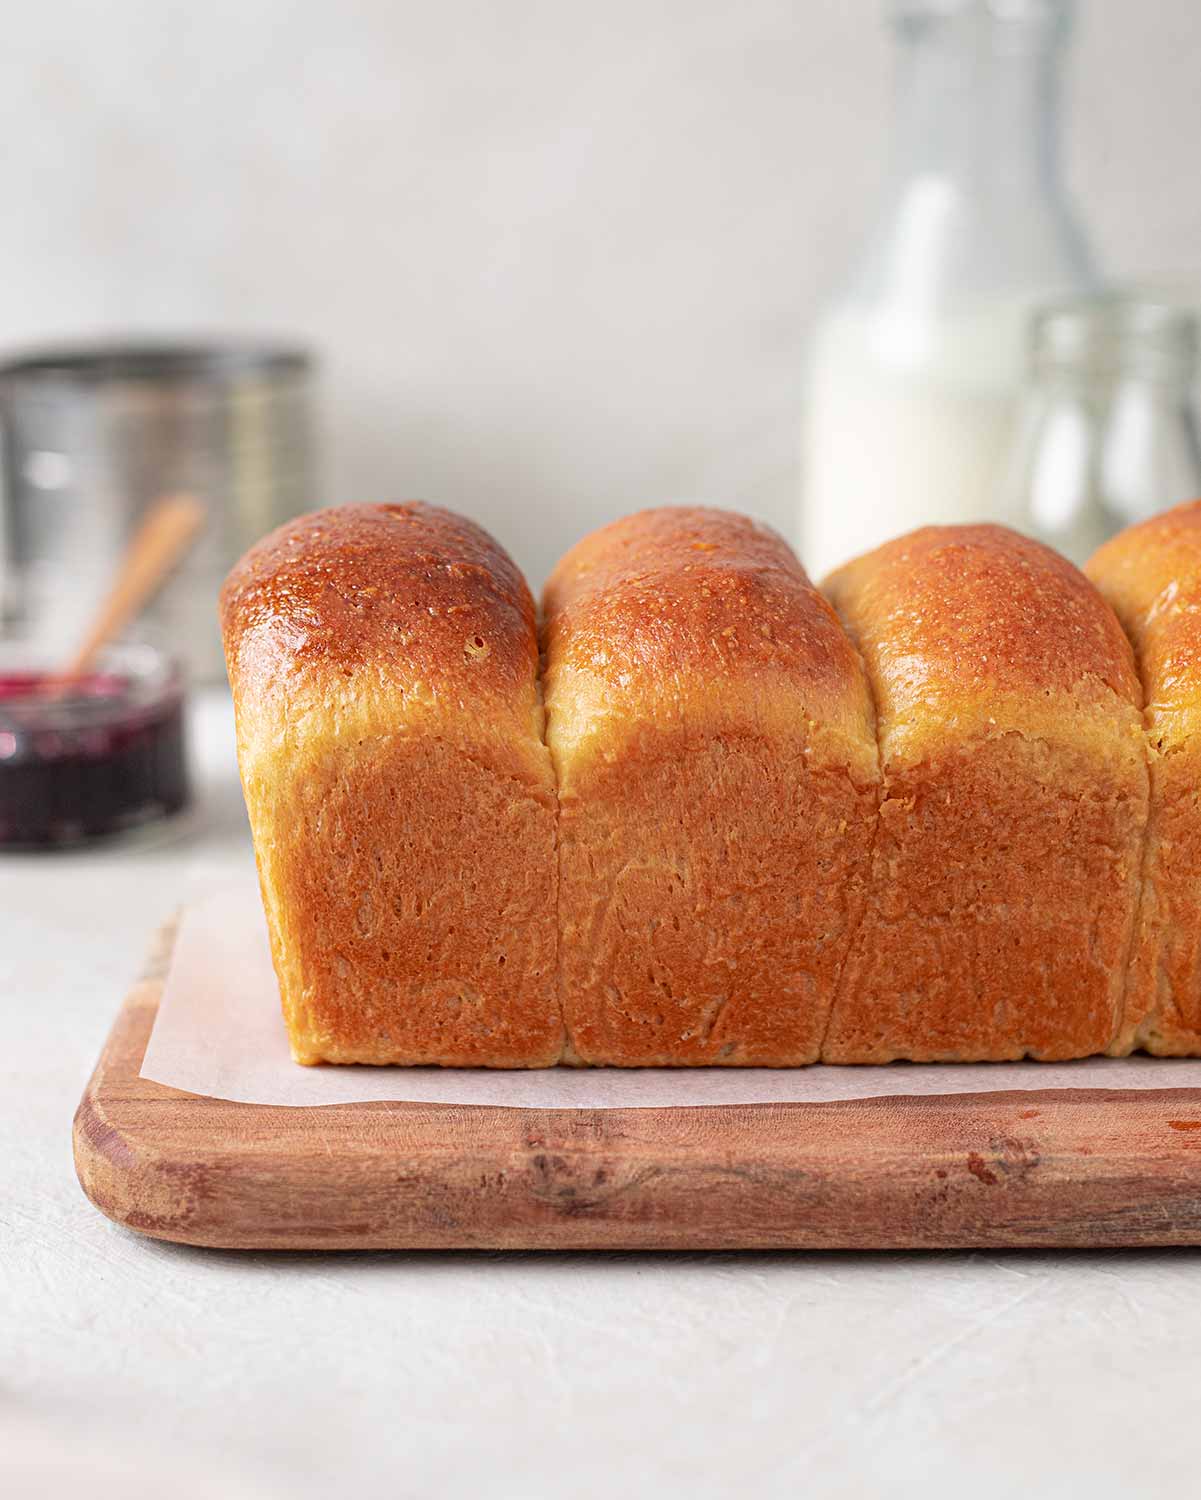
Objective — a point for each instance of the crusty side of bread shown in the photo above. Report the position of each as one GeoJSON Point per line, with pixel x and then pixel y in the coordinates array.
{"type": "Point", "coordinates": [384, 665]}
{"type": "Point", "coordinates": [712, 735]}
{"type": "Point", "coordinates": [1151, 575]}
{"type": "Point", "coordinates": [1007, 862]}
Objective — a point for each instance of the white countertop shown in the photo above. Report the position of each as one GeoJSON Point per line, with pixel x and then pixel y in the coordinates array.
{"type": "Point", "coordinates": [123, 1361]}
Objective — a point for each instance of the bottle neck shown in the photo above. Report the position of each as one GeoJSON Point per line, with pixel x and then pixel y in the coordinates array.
{"type": "Point", "coordinates": [973, 213]}
{"type": "Point", "coordinates": [977, 104]}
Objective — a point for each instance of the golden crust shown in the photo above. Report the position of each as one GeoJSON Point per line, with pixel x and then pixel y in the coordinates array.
{"type": "Point", "coordinates": [970, 629]}
{"type": "Point", "coordinates": [384, 663]}
{"type": "Point", "coordinates": [365, 614]}
{"type": "Point", "coordinates": [727, 854]}
{"type": "Point", "coordinates": [393, 588]}
{"type": "Point", "coordinates": [1006, 867]}
{"type": "Point", "coordinates": [1151, 575]}
{"type": "Point", "coordinates": [711, 731]}
{"type": "Point", "coordinates": [664, 611]}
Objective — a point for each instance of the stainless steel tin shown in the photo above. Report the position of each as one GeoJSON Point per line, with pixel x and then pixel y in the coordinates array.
{"type": "Point", "coordinates": [92, 435]}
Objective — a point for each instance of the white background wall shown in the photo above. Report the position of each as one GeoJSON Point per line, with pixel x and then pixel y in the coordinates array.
{"type": "Point", "coordinates": [560, 256]}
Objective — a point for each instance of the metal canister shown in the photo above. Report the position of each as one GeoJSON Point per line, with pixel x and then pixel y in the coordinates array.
{"type": "Point", "coordinates": [91, 436]}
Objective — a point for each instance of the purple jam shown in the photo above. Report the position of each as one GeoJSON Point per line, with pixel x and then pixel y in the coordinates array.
{"type": "Point", "coordinates": [105, 755]}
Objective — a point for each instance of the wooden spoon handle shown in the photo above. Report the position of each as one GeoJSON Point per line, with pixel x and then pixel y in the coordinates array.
{"type": "Point", "coordinates": [166, 531]}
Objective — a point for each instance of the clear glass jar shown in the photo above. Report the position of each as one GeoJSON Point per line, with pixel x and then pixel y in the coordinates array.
{"type": "Point", "coordinates": [916, 371]}
{"type": "Point", "coordinates": [1108, 433]}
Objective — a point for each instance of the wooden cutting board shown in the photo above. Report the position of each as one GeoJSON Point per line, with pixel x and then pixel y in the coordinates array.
{"type": "Point", "coordinates": [1056, 1168]}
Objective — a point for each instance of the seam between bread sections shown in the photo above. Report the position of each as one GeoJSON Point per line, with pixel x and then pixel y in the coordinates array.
{"type": "Point", "coordinates": [1136, 920]}
{"type": "Point", "coordinates": [1144, 859]}
{"type": "Point", "coordinates": [566, 1049]}
{"type": "Point", "coordinates": [870, 861]}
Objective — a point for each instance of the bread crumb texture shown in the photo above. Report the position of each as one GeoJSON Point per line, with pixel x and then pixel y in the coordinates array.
{"type": "Point", "coordinates": [1006, 866]}
{"type": "Point", "coordinates": [1151, 575]}
{"type": "Point", "coordinates": [384, 664]}
{"type": "Point", "coordinates": [712, 735]}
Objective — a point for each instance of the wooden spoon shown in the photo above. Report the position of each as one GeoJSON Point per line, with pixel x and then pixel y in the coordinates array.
{"type": "Point", "coordinates": [167, 531]}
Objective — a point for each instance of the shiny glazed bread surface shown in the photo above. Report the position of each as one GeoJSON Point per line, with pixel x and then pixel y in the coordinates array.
{"type": "Point", "coordinates": [748, 829]}
{"type": "Point", "coordinates": [712, 738]}
{"type": "Point", "coordinates": [384, 661]}
{"type": "Point", "coordinates": [1007, 860]}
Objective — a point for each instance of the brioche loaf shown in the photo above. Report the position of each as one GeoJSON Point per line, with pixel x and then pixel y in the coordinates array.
{"type": "Point", "coordinates": [712, 737]}
{"type": "Point", "coordinates": [384, 664]}
{"type": "Point", "coordinates": [728, 842]}
{"type": "Point", "coordinates": [1151, 574]}
{"type": "Point", "coordinates": [1006, 864]}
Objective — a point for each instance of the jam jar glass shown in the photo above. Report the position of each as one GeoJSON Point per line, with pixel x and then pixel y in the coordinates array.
{"type": "Point", "coordinates": [97, 756]}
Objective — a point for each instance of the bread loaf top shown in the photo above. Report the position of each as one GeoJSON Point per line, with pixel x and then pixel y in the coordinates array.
{"type": "Point", "coordinates": [689, 617]}
{"type": "Point", "coordinates": [1151, 574]}
{"type": "Point", "coordinates": [971, 630]}
{"type": "Point", "coordinates": [370, 619]}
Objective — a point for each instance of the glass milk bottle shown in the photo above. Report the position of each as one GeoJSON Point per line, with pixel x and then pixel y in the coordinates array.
{"type": "Point", "coordinates": [915, 372]}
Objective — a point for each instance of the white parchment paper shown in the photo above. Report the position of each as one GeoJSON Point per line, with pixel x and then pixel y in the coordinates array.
{"type": "Point", "coordinates": [219, 1032]}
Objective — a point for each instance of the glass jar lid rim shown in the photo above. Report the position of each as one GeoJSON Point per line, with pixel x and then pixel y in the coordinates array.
{"type": "Point", "coordinates": [212, 360]}
{"type": "Point", "coordinates": [142, 677]}
{"type": "Point", "coordinates": [1027, 12]}
{"type": "Point", "coordinates": [1115, 327]}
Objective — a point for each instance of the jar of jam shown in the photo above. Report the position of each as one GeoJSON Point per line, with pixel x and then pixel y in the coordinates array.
{"type": "Point", "coordinates": [95, 757]}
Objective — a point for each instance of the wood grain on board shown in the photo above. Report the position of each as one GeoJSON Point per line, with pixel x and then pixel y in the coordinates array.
{"type": "Point", "coordinates": [1054, 1168]}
